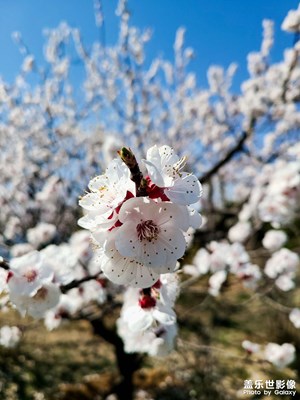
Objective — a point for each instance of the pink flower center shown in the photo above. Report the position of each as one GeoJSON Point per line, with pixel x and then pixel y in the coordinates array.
{"type": "Point", "coordinates": [30, 275]}
{"type": "Point", "coordinates": [147, 230]}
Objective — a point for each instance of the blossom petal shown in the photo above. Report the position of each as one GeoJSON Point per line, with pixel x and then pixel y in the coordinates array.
{"type": "Point", "coordinates": [127, 271]}
{"type": "Point", "coordinates": [155, 176]}
{"type": "Point", "coordinates": [138, 319]}
{"type": "Point", "coordinates": [186, 190]}
{"type": "Point", "coordinates": [93, 202]}
{"type": "Point", "coordinates": [195, 220]}
{"type": "Point", "coordinates": [164, 315]}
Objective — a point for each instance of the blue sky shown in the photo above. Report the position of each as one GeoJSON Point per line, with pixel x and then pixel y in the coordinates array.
{"type": "Point", "coordinates": [220, 31]}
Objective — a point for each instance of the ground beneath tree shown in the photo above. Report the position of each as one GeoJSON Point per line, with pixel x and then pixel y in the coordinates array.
{"type": "Point", "coordinates": [71, 363]}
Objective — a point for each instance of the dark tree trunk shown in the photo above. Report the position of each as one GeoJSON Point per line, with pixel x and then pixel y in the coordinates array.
{"type": "Point", "coordinates": [127, 363]}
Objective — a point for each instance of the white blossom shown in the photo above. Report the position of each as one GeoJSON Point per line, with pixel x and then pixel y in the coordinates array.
{"type": "Point", "coordinates": [280, 355]}
{"type": "Point", "coordinates": [30, 285]}
{"type": "Point", "coordinates": [28, 274]}
{"type": "Point", "coordinates": [282, 265]}
{"type": "Point", "coordinates": [152, 232]}
{"type": "Point", "coordinates": [40, 234]}
{"type": "Point", "coordinates": [294, 317]}
{"type": "Point", "coordinates": [165, 171]}
{"type": "Point", "coordinates": [250, 347]}
{"type": "Point", "coordinates": [125, 270]}
{"type": "Point", "coordinates": [9, 336]}
{"type": "Point", "coordinates": [46, 297]}
{"type": "Point", "coordinates": [216, 281]}
{"type": "Point", "coordinates": [240, 232]}
{"type": "Point", "coordinates": [201, 263]}
{"type": "Point", "coordinates": [274, 239]}
{"type": "Point", "coordinates": [108, 191]}
{"type": "Point", "coordinates": [291, 23]}
{"type": "Point", "coordinates": [148, 323]}
{"type": "Point", "coordinates": [249, 274]}
{"type": "Point", "coordinates": [20, 249]}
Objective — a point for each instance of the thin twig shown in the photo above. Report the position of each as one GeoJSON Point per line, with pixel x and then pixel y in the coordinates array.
{"type": "Point", "coordinates": [238, 147]}
{"type": "Point", "coordinates": [4, 264]}
{"type": "Point", "coordinates": [77, 282]}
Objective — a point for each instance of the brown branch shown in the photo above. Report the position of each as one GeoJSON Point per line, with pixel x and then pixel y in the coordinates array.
{"type": "Point", "coordinates": [238, 147]}
{"type": "Point", "coordinates": [64, 288]}
{"type": "Point", "coordinates": [128, 363]}
{"type": "Point", "coordinates": [77, 282]}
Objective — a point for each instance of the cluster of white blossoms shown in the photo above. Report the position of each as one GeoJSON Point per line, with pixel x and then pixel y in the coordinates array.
{"type": "Point", "coordinates": [282, 267]}
{"type": "Point", "coordinates": [30, 284]}
{"type": "Point", "coordinates": [275, 197]}
{"type": "Point", "coordinates": [291, 23]}
{"type": "Point", "coordinates": [40, 234]}
{"type": "Point", "coordinates": [34, 281]}
{"type": "Point", "coordinates": [220, 259]}
{"type": "Point", "coordinates": [140, 229]}
{"type": "Point", "coordinates": [278, 355]}
{"type": "Point", "coordinates": [139, 224]}
{"type": "Point", "coordinates": [148, 322]}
